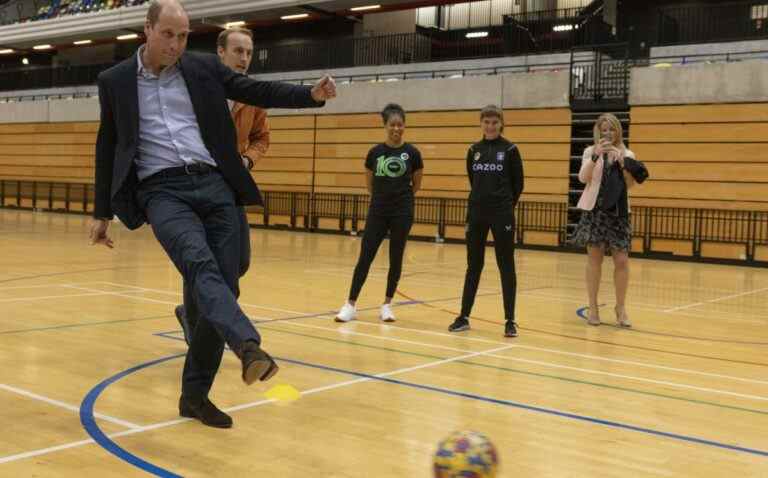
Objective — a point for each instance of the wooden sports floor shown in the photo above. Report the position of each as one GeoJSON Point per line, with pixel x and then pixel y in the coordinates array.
{"type": "Point", "coordinates": [90, 357]}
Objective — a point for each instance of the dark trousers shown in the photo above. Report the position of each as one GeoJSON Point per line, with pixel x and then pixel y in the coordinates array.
{"type": "Point", "coordinates": [376, 228]}
{"type": "Point", "coordinates": [196, 221]}
{"type": "Point", "coordinates": [190, 308]}
{"type": "Point", "coordinates": [503, 228]}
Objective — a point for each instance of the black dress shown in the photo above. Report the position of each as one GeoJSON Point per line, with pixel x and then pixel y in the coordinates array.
{"type": "Point", "coordinates": [607, 224]}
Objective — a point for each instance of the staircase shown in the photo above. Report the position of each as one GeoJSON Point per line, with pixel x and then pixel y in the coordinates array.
{"type": "Point", "coordinates": [594, 7]}
{"type": "Point", "coordinates": [600, 78]}
{"type": "Point", "coordinates": [581, 137]}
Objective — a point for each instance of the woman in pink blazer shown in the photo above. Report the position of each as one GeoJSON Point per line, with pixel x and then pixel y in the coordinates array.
{"type": "Point", "coordinates": [604, 227]}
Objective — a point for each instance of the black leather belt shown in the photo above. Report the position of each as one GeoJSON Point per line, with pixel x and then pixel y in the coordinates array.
{"type": "Point", "coordinates": [186, 170]}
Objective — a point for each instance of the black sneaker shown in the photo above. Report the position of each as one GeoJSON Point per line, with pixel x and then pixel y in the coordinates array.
{"type": "Point", "coordinates": [510, 329]}
{"type": "Point", "coordinates": [459, 325]}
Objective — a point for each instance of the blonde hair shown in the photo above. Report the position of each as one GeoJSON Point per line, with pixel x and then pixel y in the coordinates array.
{"type": "Point", "coordinates": [615, 124]}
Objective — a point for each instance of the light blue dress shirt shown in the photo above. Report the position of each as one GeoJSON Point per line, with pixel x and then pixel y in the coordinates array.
{"type": "Point", "coordinates": [169, 135]}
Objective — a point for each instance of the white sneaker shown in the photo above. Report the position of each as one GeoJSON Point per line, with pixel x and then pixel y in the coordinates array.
{"type": "Point", "coordinates": [347, 313]}
{"type": "Point", "coordinates": [386, 314]}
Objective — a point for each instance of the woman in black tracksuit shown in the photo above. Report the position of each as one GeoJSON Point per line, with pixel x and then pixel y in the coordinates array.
{"type": "Point", "coordinates": [495, 171]}
{"type": "Point", "coordinates": [393, 174]}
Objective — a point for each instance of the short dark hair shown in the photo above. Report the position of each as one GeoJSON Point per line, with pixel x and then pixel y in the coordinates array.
{"type": "Point", "coordinates": [493, 111]}
{"type": "Point", "coordinates": [224, 35]}
{"type": "Point", "coordinates": [392, 109]}
{"type": "Point", "coordinates": [155, 9]}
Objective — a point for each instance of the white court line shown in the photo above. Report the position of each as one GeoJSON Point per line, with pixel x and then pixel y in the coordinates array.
{"type": "Point", "coordinates": [532, 294]}
{"type": "Point", "coordinates": [522, 269]}
{"type": "Point", "coordinates": [179, 294]}
{"type": "Point", "coordinates": [245, 304]}
{"type": "Point", "coordinates": [66, 446]}
{"type": "Point", "coordinates": [46, 297]}
{"type": "Point", "coordinates": [733, 296]}
{"type": "Point", "coordinates": [537, 362]}
{"type": "Point", "coordinates": [606, 296]}
{"type": "Point", "coordinates": [495, 342]}
{"type": "Point", "coordinates": [147, 299]}
{"type": "Point", "coordinates": [44, 451]}
{"type": "Point", "coordinates": [410, 280]}
{"type": "Point", "coordinates": [122, 294]}
{"type": "Point", "coordinates": [535, 273]}
{"type": "Point", "coordinates": [38, 286]}
{"type": "Point", "coordinates": [635, 305]}
{"type": "Point", "coordinates": [573, 354]}
{"type": "Point", "coordinates": [641, 364]}
{"type": "Point", "coordinates": [66, 406]}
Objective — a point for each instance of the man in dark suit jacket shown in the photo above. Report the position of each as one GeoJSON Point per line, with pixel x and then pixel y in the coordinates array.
{"type": "Point", "coordinates": [166, 154]}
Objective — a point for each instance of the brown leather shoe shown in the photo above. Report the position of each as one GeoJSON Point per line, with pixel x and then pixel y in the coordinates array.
{"type": "Point", "coordinates": [204, 410]}
{"type": "Point", "coordinates": [257, 364]}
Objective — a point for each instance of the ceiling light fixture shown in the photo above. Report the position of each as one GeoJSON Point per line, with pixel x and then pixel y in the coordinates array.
{"type": "Point", "coordinates": [365, 8]}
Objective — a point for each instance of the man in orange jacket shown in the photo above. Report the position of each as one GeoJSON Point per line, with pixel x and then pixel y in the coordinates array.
{"type": "Point", "coordinates": [235, 49]}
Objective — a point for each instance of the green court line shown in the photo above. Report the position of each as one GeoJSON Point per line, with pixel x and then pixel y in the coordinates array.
{"type": "Point", "coordinates": [73, 326]}
{"type": "Point", "coordinates": [524, 372]}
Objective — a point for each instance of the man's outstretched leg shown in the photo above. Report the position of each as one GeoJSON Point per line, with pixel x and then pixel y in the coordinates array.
{"type": "Point", "coordinates": [195, 220]}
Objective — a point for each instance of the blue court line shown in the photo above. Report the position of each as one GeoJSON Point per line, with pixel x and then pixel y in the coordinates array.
{"type": "Point", "coordinates": [523, 406]}
{"type": "Point", "coordinates": [92, 428]}
{"type": "Point", "coordinates": [89, 423]}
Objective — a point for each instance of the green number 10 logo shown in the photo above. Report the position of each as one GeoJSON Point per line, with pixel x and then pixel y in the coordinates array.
{"type": "Point", "coordinates": [392, 167]}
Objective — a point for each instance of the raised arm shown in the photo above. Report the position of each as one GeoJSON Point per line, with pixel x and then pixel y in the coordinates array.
{"type": "Point", "coordinates": [266, 94]}
{"type": "Point", "coordinates": [587, 166]}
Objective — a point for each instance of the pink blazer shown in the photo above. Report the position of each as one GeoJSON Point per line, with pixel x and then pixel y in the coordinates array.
{"type": "Point", "coordinates": [591, 173]}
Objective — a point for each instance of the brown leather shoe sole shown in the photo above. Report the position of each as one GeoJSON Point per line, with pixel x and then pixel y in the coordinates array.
{"type": "Point", "coordinates": [262, 369]}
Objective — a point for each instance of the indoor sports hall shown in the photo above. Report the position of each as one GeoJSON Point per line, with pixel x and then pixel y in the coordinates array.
{"type": "Point", "coordinates": [94, 360]}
